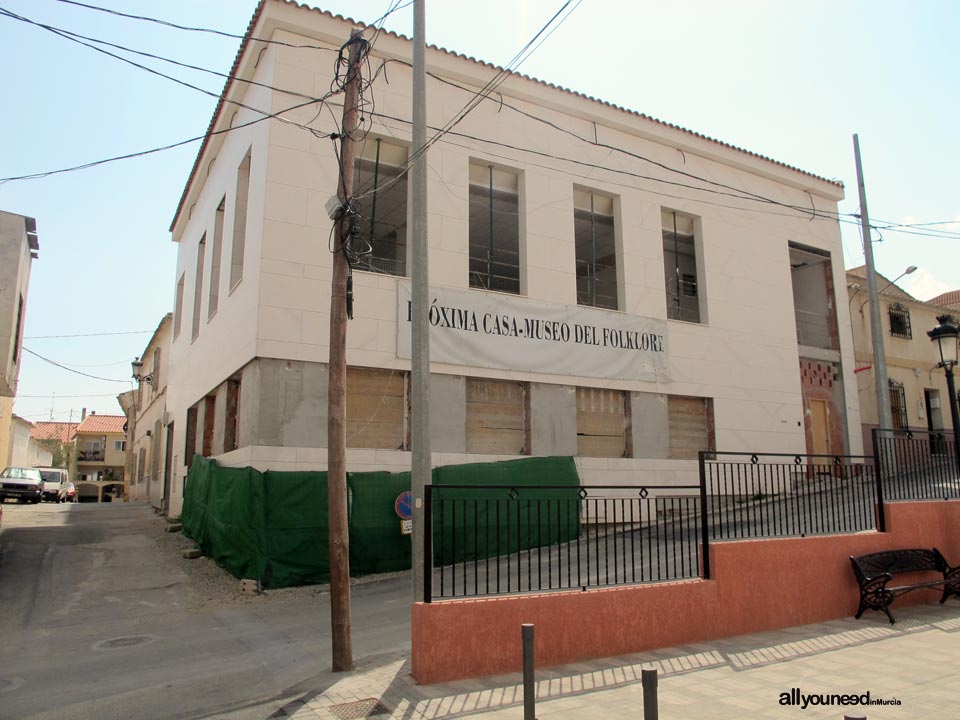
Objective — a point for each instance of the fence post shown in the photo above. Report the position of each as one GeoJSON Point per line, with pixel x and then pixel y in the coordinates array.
{"type": "Point", "coordinates": [704, 530]}
{"type": "Point", "coordinates": [529, 690]}
{"type": "Point", "coordinates": [878, 477]}
{"type": "Point", "coordinates": [648, 679]}
{"type": "Point", "coordinates": [427, 543]}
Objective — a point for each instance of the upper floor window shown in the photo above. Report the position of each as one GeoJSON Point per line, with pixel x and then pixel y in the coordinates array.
{"type": "Point", "coordinates": [178, 308]}
{"type": "Point", "coordinates": [119, 445]}
{"type": "Point", "coordinates": [900, 321]}
{"type": "Point", "coordinates": [198, 286]}
{"type": "Point", "coordinates": [380, 200]}
{"type": "Point", "coordinates": [240, 203]}
{"type": "Point", "coordinates": [214, 300]}
{"type": "Point", "coordinates": [596, 249]}
{"type": "Point", "coordinates": [494, 229]}
{"type": "Point", "coordinates": [681, 274]}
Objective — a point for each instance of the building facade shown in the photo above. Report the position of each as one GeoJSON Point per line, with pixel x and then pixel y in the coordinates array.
{"type": "Point", "coordinates": [603, 284]}
{"type": "Point", "coordinates": [146, 408]}
{"type": "Point", "coordinates": [24, 450]}
{"type": "Point", "coordinates": [917, 387]}
{"type": "Point", "coordinates": [101, 457]}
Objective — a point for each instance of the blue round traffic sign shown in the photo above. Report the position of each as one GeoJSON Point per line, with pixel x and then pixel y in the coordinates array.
{"type": "Point", "coordinates": [404, 505]}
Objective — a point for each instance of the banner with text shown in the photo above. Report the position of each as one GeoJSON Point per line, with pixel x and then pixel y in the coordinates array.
{"type": "Point", "coordinates": [492, 330]}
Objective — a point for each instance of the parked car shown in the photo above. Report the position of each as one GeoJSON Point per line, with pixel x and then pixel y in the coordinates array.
{"type": "Point", "coordinates": [24, 484]}
{"type": "Point", "coordinates": [70, 492]}
{"type": "Point", "coordinates": [54, 482]}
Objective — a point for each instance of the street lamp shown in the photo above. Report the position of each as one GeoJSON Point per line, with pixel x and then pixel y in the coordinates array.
{"type": "Point", "coordinates": [911, 269]}
{"type": "Point", "coordinates": [944, 338]}
{"type": "Point", "coordinates": [137, 368]}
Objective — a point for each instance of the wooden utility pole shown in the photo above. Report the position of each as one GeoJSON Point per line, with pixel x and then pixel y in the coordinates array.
{"type": "Point", "coordinates": [337, 392]}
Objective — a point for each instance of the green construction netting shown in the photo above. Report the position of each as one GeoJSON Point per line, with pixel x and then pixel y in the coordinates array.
{"type": "Point", "coordinates": [272, 526]}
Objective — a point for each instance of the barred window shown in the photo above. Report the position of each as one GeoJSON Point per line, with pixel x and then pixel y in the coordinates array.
{"type": "Point", "coordinates": [900, 321]}
{"type": "Point", "coordinates": [596, 249]}
{"type": "Point", "coordinates": [380, 182]}
{"type": "Point", "coordinates": [898, 405]}
{"type": "Point", "coordinates": [494, 229]}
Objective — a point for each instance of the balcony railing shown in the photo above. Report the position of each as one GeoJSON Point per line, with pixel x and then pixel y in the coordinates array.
{"type": "Point", "coordinates": [90, 456]}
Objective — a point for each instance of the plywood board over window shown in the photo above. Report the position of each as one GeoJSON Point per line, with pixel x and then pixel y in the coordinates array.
{"type": "Point", "coordinates": [497, 417]}
{"type": "Point", "coordinates": [376, 409]}
{"type": "Point", "coordinates": [603, 423]}
{"type": "Point", "coordinates": [691, 426]}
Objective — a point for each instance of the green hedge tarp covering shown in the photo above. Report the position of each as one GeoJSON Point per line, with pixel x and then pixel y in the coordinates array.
{"type": "Point", "coordinates": [272, 526]}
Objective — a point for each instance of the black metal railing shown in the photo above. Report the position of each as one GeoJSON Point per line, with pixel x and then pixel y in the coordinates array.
{"type": "Point", "coordinates": [493, 539]}
{"type": "Point", "coordinates": [762, 495]}
{"type": "Point", "coordinates": [917, 464]}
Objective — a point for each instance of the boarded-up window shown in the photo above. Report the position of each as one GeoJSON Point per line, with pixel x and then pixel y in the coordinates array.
{"type": "Point", "coordinates": [230, 416]}
{"type": "Point", "coordinates": [602, 423]}
{"type": "Point", "coordinates": [376, 409]}
{"type": "Point", "coordinates": [209, 420]}
{"type": "Point", "coordinates": [691, 426]}
{"type": "Point", "coordinates": [496, 417]}
{"type": "Point", "coordinates": [190, 445]}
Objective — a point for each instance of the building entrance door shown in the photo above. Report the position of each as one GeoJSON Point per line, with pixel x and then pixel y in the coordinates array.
{"type": "Point", "coordinates": [820, 427]}
{"type": "Point", "coordinates": [167, 462]}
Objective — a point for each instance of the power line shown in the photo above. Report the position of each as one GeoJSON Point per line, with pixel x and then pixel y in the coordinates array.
{"type": "Point", "coordinates": [64, 367]}
{"type": "Point", "coordinates": [44, 397]}
{"type": "Point", "coordinates": [106, 334]}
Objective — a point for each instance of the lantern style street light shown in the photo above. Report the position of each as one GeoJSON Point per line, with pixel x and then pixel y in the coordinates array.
{"type": "Point", "coordinates": [945, 338]}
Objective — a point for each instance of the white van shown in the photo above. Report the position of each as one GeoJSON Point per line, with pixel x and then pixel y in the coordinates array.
{"type": "Point", "coordinates": [54, 483]}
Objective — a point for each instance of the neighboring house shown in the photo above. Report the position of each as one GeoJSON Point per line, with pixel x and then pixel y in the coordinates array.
{"type": "Point", "coordinates": [604, 284]}
{"type": "Point", "coordinates": [917, 387]}
{"type": "Point", "coordinates": [19, 246]}
{"type": "Point", "coordinates": [146, 410]}
{"type": "Point", "coordinates": [949, 300]}
{"type": "Point", "coordinates": [58, 438]}
{"type": "Point", "coordinates": [101, 442]}
{"type": "Point", "coordinates": [24, 450]}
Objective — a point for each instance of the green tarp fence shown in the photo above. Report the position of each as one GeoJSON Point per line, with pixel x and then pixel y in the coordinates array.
{"type": "Point", "coordinates": [272, 526]}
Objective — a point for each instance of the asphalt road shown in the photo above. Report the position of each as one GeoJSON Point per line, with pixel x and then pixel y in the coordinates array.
{"type": "Point", "coordinates": [99, 618]}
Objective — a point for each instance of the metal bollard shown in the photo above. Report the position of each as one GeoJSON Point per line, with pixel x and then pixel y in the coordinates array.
{"type": "Point", "coordinates": [648, 678]}
{"type": "Point", "coordinates": [529, 690]}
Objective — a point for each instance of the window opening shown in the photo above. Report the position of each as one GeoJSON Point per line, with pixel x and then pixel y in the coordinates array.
{"type": "Point", "coordinates": [494, 229]}
{"type": "Point", "coordinates": [198, 286]}
{"type": "Point", "coordinates": [680, 267]}
{"type": "Point", "coordinates": [900, 321]}
{"type": "Point", "coordinates": [596, 257]}
{"type": "Point", "coordinates": [217, 251]}
{"type": "Point", "coordinates": [380, 190]}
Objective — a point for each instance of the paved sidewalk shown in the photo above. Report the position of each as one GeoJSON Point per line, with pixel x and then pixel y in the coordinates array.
{"type": "Point", "coordinates": [914, 662]}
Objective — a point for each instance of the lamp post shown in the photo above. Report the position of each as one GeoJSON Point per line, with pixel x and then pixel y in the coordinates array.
{"type": "Point", "coordinates": [944, 338]}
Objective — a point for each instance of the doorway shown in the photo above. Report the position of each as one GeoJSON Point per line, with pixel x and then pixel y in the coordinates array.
{"type": "Point", "coordinates": [167, 463]}
{"type": "Point", "coordinates": [819, 427]}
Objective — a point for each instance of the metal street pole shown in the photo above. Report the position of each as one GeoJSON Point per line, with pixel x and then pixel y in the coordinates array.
{"type": "Point", "coordinates": [420, 329]}
{"type": "Point", "coordinates": [884, 417]}
{"type": "Point", "coordinates": [339, 536]}
{"type": "Point", "coordinates": [954, 414]}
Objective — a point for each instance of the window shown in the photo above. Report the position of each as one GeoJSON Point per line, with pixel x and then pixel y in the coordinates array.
{"type": "Point", "coordinates": [119, 445]}
{"type": "Point", "coordinates": [230, 415]}
{"type": "Point", "coordinates": [497, 417]}
{"type": "Point", "coordinates": [190, 445]}
{"type": "Point", "coordinates": [376, 409]}
{"type": "Point", "coordinates": [596, 249]}
{"type": "Point", "coordinates": [198, 286]}
{"type": "Point", "coordinates": [91, 446]}
{"type": "Point", "coordinates": [603, 427]}
{"type": "Point", "coordinates": [209, 418]}
{"type": "Point", "coordinates": [178, 307]}
{"type": "Point", "coordinates": [155, 372]}
{"type": "Point", "coordinates": [141, 464]}
{"type": "Point", "coordinates": [494, 229]}
{"type": "Point", "coordinates": [214, 300]}
{"type": "Point", "coordinates": [900, 321]}
{"type": "Point", "coordinates": [680, 266]}
{"type": "Point", "coordinates": [691, 426]}
{"type": "Point", "coordinates": [240, 221]}
{"type": "Point", "coordinates": [17, 339]}
{"type": "Point", "coordinates": [380, 182]}
{"type": "Point", "coordinates": [898, 405]}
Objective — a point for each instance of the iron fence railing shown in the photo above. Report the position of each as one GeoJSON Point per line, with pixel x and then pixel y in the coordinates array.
{"type": "Point", "coordinates": [493, 539]}
{"type": "Point", "coordinates": [758, 495]}
{"type": "Point", "coordinates": [917, 464]}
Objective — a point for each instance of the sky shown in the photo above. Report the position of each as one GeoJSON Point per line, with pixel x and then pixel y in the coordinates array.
{"type": "Point", "coordinates": [791, 81]}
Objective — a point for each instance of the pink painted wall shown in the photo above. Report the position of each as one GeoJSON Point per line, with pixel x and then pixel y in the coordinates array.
{"type": "Point", "coordinates": [756, 585]}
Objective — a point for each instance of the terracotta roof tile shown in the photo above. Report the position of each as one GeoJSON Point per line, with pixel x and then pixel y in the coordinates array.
{"type": "Point", "coordinates": [354, 23]}
{"type": "Point", "coordinates": [947, 299]}
{"type": "Point", "coordinates": [102, 424]}
{"type": "Point", "coordinates": [61, 431]}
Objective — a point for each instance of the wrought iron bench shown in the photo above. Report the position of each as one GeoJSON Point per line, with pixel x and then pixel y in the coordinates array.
{"type": "Point", "coordinates": [876, 570]}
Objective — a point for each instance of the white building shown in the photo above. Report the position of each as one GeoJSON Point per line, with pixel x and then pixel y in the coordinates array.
{"type": "Point", "coordinates": [606, 285]}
